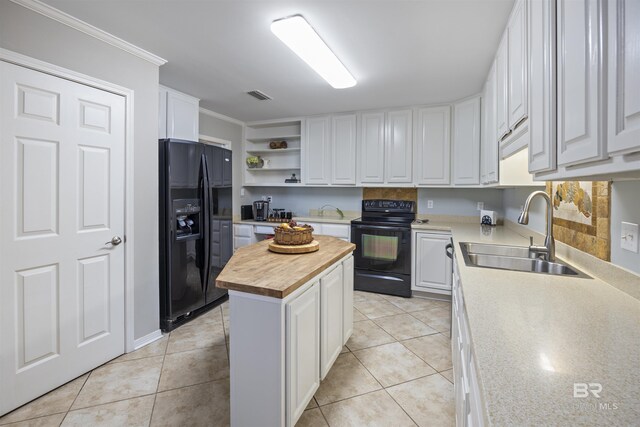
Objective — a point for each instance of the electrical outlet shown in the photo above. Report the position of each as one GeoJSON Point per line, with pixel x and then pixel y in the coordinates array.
{"type": "Point", "coordinates": [629, 238]}
{"type": "Point", "coordinates": [263, 198]}
{"type": "Point", "coordinates": [269, 199]}
{"type": "Point", "coordinates": [480, 206]}
{"type": "Point", "coordinates": [429, 204]}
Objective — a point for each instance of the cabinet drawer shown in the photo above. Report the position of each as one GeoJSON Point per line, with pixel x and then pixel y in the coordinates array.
{"type": "Point", "coordinates": [336, 230]}
{"type": "Point", "coordinates": [263, 229]}
{"type": "Point", "coordinates": [242, 230]}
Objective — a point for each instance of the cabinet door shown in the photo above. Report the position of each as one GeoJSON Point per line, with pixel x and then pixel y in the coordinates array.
{"type": "Point", "coordinates": [542, 85]}
{"type": "Point", "coordinates": [227, 168]}
{"type": "Point", "coordinates": [502, 90]}
{"type": "Point", "coordinates": [580, 102]}
{"type": "Point", "coordinates": [489, 147]}
{"type": "Point", "coordinates": [343, 167]}
{"type": "Point", "coordinates": [433, 267]}
{"type": "Point", "coordinates": [331, 318]}
{"type": "Point", "coordinates": [517, 59]}
{"type": "Point", "coordinates": [182, 116]}
{"type": "Point", "coordinates": [433, 145]}
{"type": "Point", "coordinates": [162, 113]}
{"type": "Point", "coordinates": [347, 321]}
{"type": "Point", "coordinates": [466, 142]}
{"type": "Point", "coordinates": [624, 76]}
{"type": "Point", "coordinates": [341, 231]}
{"type": "Point", "coordinates": [317, 151]}
{"type": "Point", "coordinates": [399, 142]}
{"type": "Point", "coordinates": [303, 351]}
{"type": "Point", "coordinates": [371, 148]}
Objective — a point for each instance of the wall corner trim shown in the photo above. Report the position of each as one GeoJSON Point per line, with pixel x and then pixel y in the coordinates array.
{"type": "Point", "coordinates": [77, 24]}
{"type": "Point", "coordinates": [221, 116]}
{"type": "Point", "coordinates": [147, 339]}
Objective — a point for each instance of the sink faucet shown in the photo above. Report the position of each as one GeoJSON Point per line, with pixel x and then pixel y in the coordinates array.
{"type": "Point", "coordinates": [549, 248]}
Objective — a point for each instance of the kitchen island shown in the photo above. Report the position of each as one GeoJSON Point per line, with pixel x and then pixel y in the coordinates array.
{"type": "Point", "coordinates": [290, 316]}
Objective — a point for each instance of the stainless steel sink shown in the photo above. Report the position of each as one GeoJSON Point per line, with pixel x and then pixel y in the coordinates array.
{"type": "Point", "coordinates": [513, 258]}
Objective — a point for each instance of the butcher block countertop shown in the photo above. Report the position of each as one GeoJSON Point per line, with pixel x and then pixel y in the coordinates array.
{"type": "Point", "coordinates": [256, 270]}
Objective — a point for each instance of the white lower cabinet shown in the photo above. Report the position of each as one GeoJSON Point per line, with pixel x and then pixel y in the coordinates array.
{"type": "Point", "coordinates": [303, 350]}
{"type": "Point", "coordinates": [242, 235]}
{"type": "Point", "coordinates": [431, 268]}
{"type": "Point", "coordinates": [332, 309]}
{"type": "Point", "coordinates": [468, 400]}
{"type": "Point", "coordinates": [282, 348]}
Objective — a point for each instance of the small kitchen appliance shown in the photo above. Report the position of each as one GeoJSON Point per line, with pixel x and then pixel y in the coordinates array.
{"type": "Point", "coordinates": [260, 210]}
{"type": "Point", "coordinates": [488, 217]}
{"type": "Point", "coordinates": [246, 212]}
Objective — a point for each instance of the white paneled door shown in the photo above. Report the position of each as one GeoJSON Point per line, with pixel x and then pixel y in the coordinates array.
{"type": "Point", "coordinates": [62, 192]}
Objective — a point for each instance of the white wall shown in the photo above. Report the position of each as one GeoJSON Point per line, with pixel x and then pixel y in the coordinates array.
{"type": "Point", "coordinates": [34, 35]}
{"type": "Point", "coordinates": [513, 201]}
{"type": "Point", "coordinates": [459, 201]}
{"type": "Point", "coordinates": [625, 206]}
{"type": "Point", "coordinates": [218, 128]}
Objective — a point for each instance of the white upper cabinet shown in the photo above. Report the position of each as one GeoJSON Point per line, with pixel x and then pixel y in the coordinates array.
{"type": "Point", "coordinates": [542, 85]}
{"type": "Point", "coordinates": [489, 144]}
{"type": "Point", "coordinates": [343, 131]}
{"type": "Point", "coordinates": [517, 69]}
{"type": "Point", "coordinates": [371, 148]}
{"type": "Point", "coordinates": [432, 146]}
{"type": "Point", "coordinates": [317, 150]}
{"type": "Point", "coordinates": [624, 76]}
{"type": "Point", "coordinates": [580, 83]}
{"type": "Point", "coordinates": [502, 90]}
{"type": "Point", "coordinates": [399, 138]}
{"type": "Point", "coordinates": [466, 142]}
{"type": "Point", "coordinates": [179, 116]}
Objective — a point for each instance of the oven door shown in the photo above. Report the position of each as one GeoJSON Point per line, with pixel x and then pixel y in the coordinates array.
{"type": "Point", "coordinates": [382, 248]}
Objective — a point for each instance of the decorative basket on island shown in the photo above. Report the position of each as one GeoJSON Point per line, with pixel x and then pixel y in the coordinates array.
{"type": "Point", "coordinates": [291, 238]}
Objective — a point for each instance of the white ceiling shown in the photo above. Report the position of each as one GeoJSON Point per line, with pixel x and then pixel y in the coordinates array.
{"type": "Point", "coordinates": [401, 52]}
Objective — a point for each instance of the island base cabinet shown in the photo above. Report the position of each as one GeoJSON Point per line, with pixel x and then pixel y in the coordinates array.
{"type": "Point", "coordinates": [303, 351]}
{"type": "Point", "coordinates": [281, 348]}
{"type": "Point", "coordinates": [332, 307]}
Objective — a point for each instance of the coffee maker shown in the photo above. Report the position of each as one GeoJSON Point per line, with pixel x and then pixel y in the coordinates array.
{"type": "Point", "coordinates": [260, 210]}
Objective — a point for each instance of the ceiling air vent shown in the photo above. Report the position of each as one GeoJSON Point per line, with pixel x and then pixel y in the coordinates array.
{"type": "Point", "coordinates": [259, 95]}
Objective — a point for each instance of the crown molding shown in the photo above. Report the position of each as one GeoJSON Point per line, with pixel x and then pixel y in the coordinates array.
{"type": "Point", "coordinates": [77, 24]}
{"type": "Point", "coordinates": [221, 116]}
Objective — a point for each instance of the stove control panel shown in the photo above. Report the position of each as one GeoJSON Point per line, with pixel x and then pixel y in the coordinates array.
{"type": "Point", "coordinates": [388, 206]}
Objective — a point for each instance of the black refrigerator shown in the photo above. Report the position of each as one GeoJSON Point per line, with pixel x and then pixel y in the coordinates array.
{"type": "Point", "coordinates": [195, 227]}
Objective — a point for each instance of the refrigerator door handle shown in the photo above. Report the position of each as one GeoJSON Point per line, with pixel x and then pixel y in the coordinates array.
{"type": "Point", "coordinates": [206, 222]}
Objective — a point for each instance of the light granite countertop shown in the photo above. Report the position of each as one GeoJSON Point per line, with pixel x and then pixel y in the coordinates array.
{"type": "Point", "coordinates": [317, 219]}
{"type": "Point", "coordinates": [534, 336]}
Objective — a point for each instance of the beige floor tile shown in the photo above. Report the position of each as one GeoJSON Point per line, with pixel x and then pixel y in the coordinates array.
{"type": "Point", "coordinates": [429, 401]}
{"type": "Point", "coordinates": [371, 410]}
{"type": "Point", "coordinates": [433, 349]}
{"type": "Point", "coordinates": [448, 374]}
{"type": "Point", "coordinates": [48, 421]}
{"type": "Point", "coordinates": [377, 308]}
{"type": "Point", "coordinates": [414, 304]}
{"type": "Point", "coordinates": [54, 402]}
{"type": "Point", "coordinates": [118, 381]}
{"type": "Point", "coordinates": [437, 318]}
{"type": "Point", "coordinates": [347, 378]}
{"type": "Point", "coordinates": [404, 326]}
{"type": "Point", "coordinates": [344, 350]}
{"type": "Point", "coordinates": [194, 367]}
{"type": "Point", "coordinates": [312, 418]}
{"type": "Point", "coordinates": [359, 296]}
{"type": "Point", "coordinates": [392, 363]}
{"type": "Point", "coordinates": [199, 405]}
{"type": "Point", "coordinates": [312, 404]}
{"type": "Point", "coordinates": [190, 337]}
{"type": "Point", "coordinates": [367, 334]}
{"type": "Point", "coordinates": [212, 316]}
{"type": "Point", "coordinates": [357, 316]}
{"type": "Point", "coordinates": [131, 412]}
{"type": "Point", "coordinates": [156, 348]}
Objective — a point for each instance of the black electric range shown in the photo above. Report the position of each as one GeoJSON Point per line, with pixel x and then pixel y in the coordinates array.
{"type": "Point", "coordinates": [383, 246]}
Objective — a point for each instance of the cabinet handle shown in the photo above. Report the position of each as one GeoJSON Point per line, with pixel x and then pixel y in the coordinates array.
{"type": "Point", "coordinates": [506, 135]}
{"type": "Point", "coordinates": [521, 121]}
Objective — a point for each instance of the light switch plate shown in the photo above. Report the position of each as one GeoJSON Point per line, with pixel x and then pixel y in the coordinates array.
{"type": "Point", "coordinates": [480, 206]}
{"type": "Point", "coordinates": [629, 238]}
{"type": "Point", "coordinates": [429, 204]}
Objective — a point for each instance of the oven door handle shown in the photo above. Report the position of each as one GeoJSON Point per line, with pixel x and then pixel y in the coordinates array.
{"type": "Point", "coordinates": [380, 227]}
{"type": "Point", "coordinates": [449, 253]}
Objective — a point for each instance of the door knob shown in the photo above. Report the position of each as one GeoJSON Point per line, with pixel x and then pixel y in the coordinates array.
{"type": "Point", "coordinates": [115, 241]}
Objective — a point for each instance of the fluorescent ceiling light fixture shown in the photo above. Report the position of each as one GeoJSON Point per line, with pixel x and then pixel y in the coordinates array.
{"type": "Point", "coordinates": [301, 38]}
